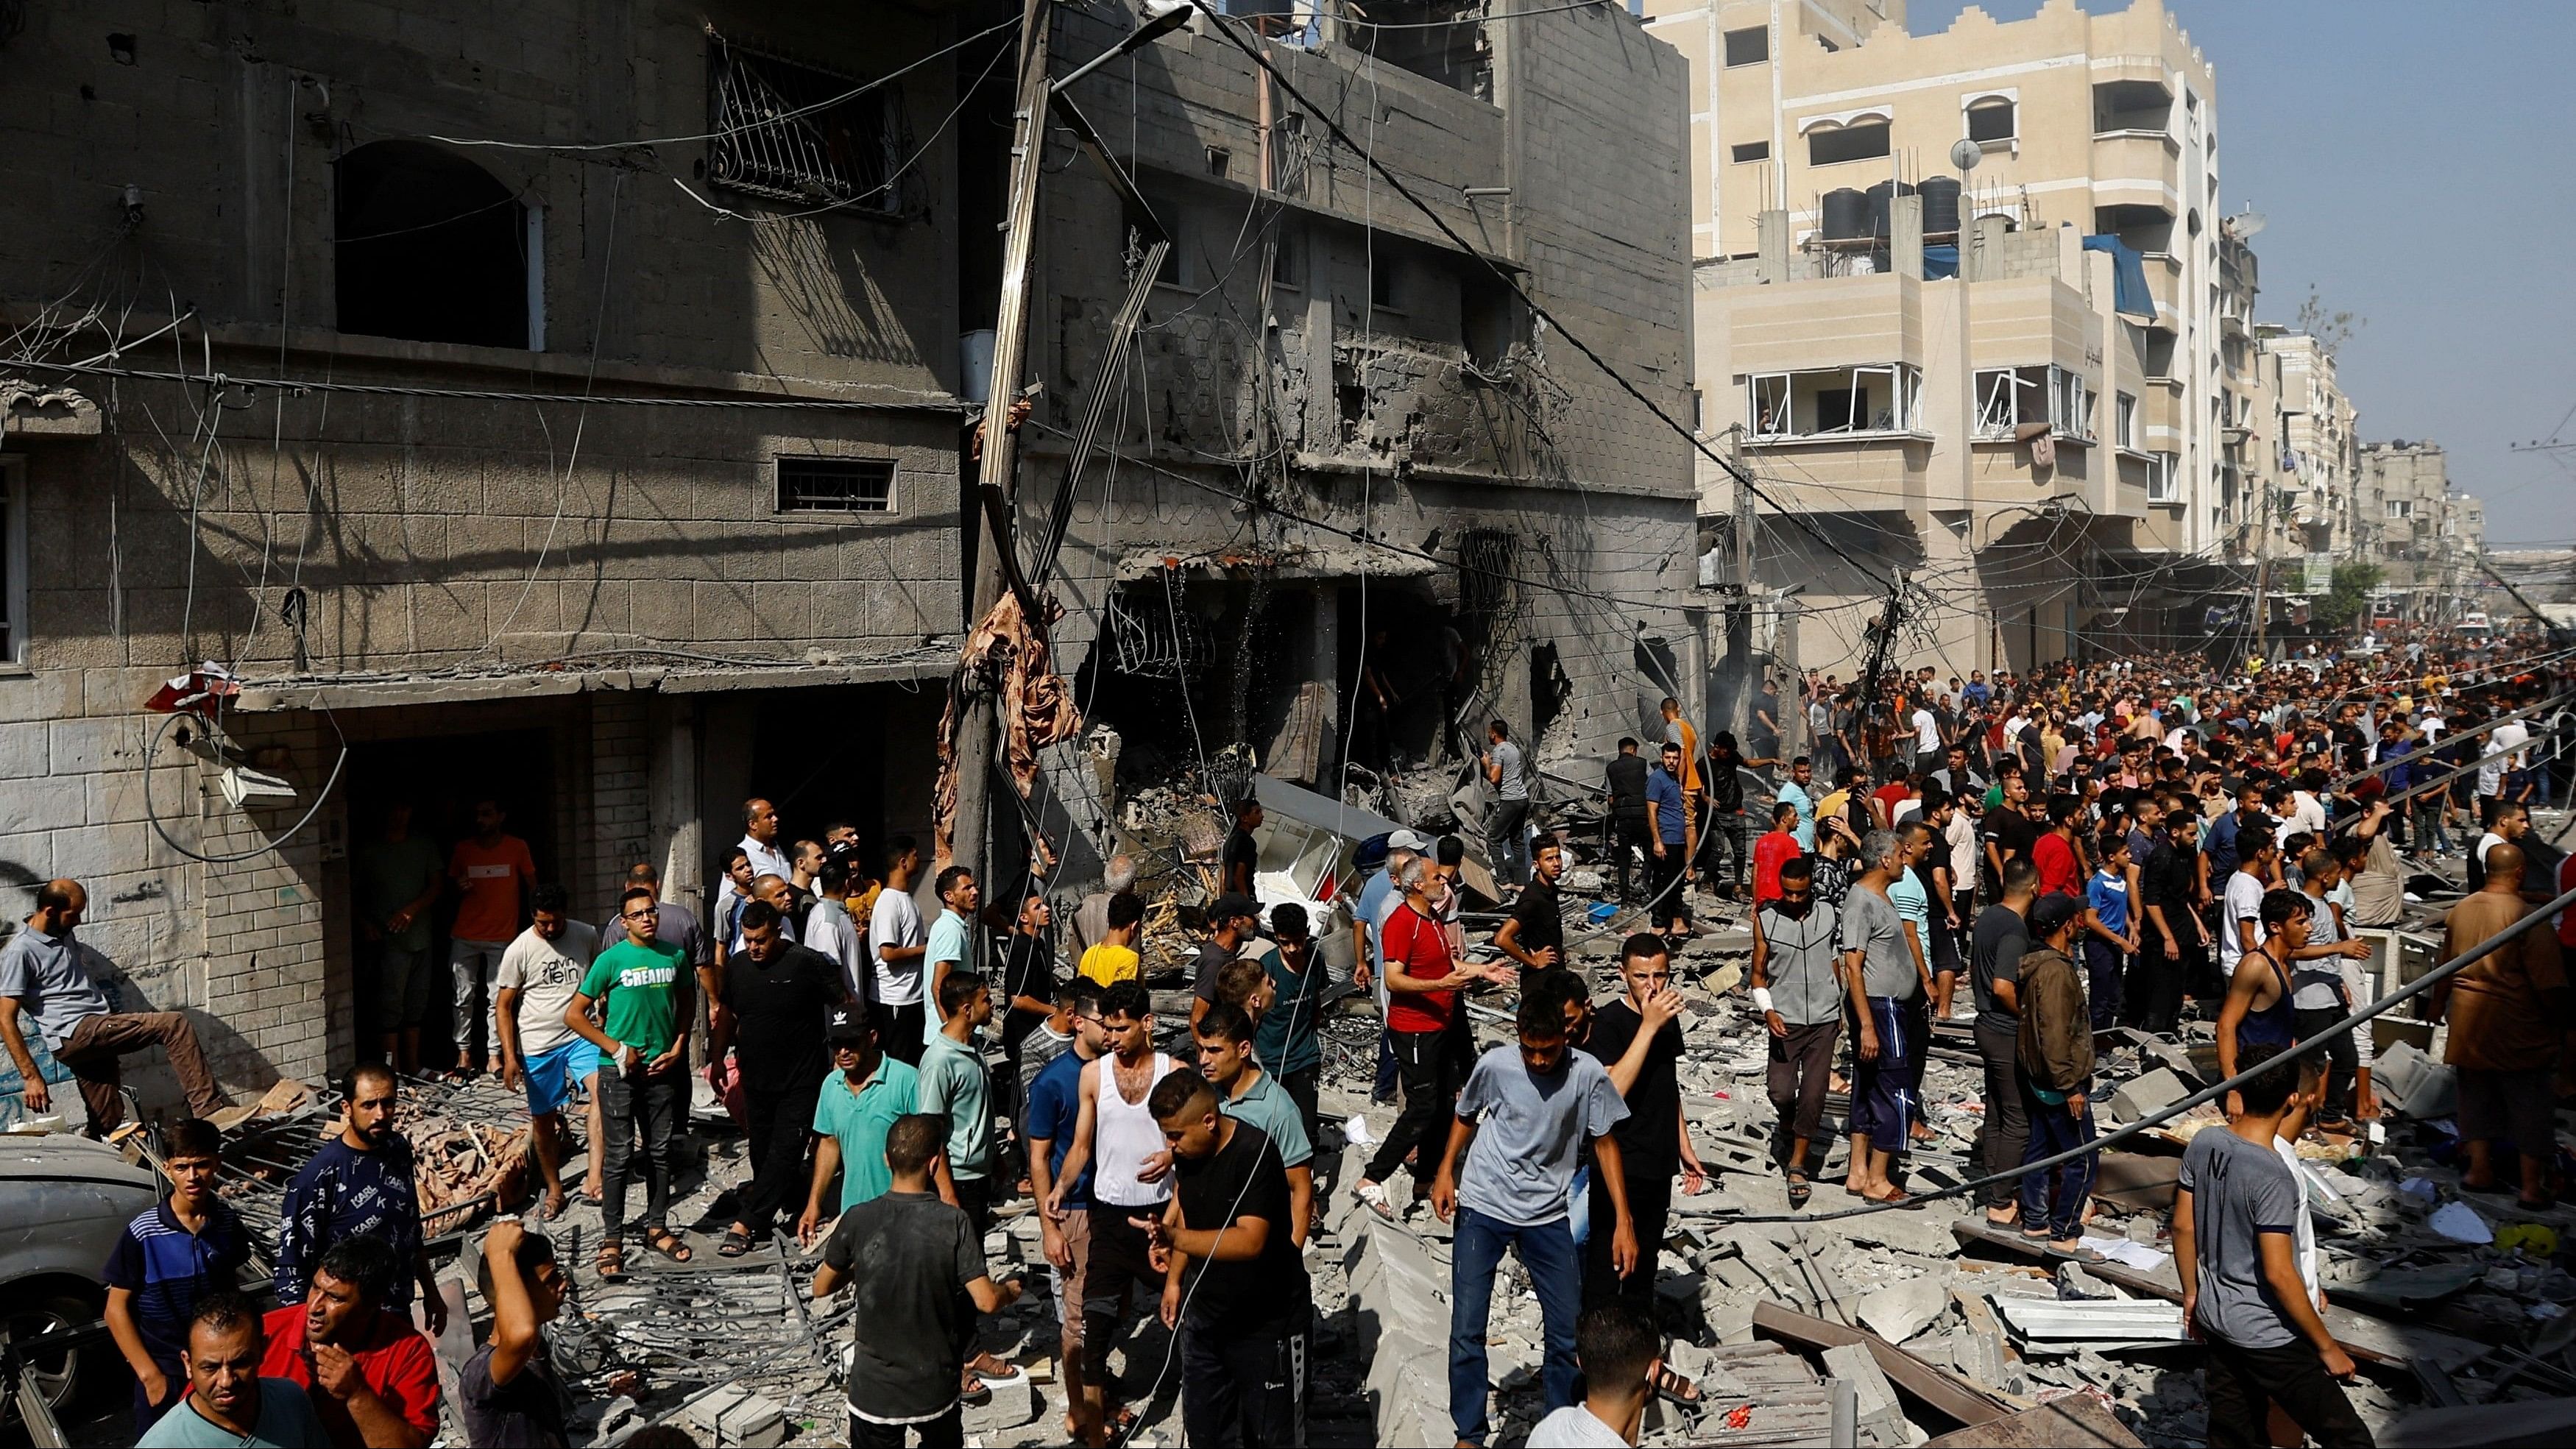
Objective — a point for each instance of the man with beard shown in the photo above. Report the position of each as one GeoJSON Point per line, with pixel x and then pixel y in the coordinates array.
{"type": "Point", "coordinates": [868, 1092]}
{"type": "Point", "coordinates": [643, 983]}
{"type": "Point", "coordinates": [370, 1374]}
{"type": "Point", "coordinates": [777, 996]}
{"type": "Point", "coordinates": [359, 1184]}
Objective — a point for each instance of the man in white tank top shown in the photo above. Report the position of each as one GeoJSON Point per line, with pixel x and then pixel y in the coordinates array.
{"type": "Point", "coordinates": [1131, 1177]}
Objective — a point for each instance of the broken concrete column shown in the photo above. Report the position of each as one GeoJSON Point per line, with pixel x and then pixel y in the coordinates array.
{"type": "Point", "coordinates": [1905, 235]}
{"type": "Point", "coordinates": [1773, 230]}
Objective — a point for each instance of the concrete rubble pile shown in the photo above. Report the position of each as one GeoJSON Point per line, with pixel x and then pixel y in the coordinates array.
{"type": "Point", "coordinates": [2455, 1306]}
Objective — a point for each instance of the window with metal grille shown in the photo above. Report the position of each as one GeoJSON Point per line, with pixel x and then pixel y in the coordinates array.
{"type": "Point", "coordinates": [835, 485]}
{"type": "Point", "coordinates": [1484, 571]}
{"type": "Point", "coordinates": [807, 137]}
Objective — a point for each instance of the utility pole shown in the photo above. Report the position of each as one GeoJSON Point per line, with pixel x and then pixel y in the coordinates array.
{"type": "Point", "coordinates": [973, 745]}
{"type": "Point", "coordinates": [2259, 628]}
{"type": "Point", "coordinates": [1793, 708]}
{"type": "Point", "coordinates": [1739, 619]}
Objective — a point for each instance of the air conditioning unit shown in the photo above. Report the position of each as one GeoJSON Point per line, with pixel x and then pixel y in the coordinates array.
{"type": "Point", "coordinates": [249, 789]}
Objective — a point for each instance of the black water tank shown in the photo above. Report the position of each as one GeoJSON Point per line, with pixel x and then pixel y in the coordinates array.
{"type": "Point", "coordinates": [1880, 198]}
{"type": "Point", "coordinates": [1846, 215]}
{"type": "Point", "coordinates": [1940, 205]}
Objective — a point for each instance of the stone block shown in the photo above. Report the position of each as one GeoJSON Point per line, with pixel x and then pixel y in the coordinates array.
{"type": "Point", "coordinates": [2140, 1097]}
{"type": "Point", "coordinates": [1899, 1311]}
{"type": "Point", "coordinates": [1014, 1403]}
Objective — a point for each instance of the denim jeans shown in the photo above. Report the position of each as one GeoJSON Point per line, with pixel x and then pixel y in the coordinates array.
{"type": "Point", "coordinates": [627, 1100]}
{"type": "Point", "coordinates": [1547, 1251]}
{"type": "Point", "coordinates": [1507, 835]}
{"type": "Point", "coordinates": [2055, 1196]}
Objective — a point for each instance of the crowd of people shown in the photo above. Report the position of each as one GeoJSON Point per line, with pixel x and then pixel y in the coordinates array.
{"type": "Point", "coordinates": [2132, 844]}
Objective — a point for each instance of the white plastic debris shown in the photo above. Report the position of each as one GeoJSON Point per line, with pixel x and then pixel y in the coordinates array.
{"type": "Point", "coordinates": [2460, 1223]}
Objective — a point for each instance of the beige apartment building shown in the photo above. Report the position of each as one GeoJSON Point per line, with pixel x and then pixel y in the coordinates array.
{"type": "Point", "coordinates": [2425, 535]}
{"type": "Point", "coordinates": [2008, 379]}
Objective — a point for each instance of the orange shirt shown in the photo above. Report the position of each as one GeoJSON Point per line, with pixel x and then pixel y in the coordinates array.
{"type": "Point", "coordinates": [494, 881]}
{"type": "Point", "coordinates": [1690, 756]}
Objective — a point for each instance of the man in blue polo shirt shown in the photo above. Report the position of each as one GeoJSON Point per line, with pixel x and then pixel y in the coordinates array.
{"type": "Point", "coordinates": [190, 1246]}
{"type": "Point", "coordinates": [1672, 860]}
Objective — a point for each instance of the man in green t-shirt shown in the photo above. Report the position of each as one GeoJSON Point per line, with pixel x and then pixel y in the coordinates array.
{"type": "Point", "coordinates": [953, 1083]}
{"type": "Point", "coordinates": [398, 878]}
{"type": "Point", "coordinates": [642, 984]}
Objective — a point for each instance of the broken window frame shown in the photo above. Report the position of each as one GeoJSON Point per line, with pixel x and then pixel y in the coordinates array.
{"type": "Point", "coordinates": [1777, 421]}
{"type": "Point", "coordinates": [2056, 395]}
{"type": "Point", "coordinates": [789, 131]}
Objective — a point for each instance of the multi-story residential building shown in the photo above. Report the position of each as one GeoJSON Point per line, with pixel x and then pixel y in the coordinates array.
{"type": "Point", "coordinates": [2314, 465]}
{"type": "Point", "coordinates": [2069, 295]}
{"type": "Point", "coordinates": [2425, 535]}
{"type": "Point", "coordinates": [565, 405]}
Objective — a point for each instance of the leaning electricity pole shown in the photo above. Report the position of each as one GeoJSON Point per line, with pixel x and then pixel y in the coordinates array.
{"type": "Point", "coordinates": [989, 511]}
{"type": "Point", "coordinates": [1739, 619]}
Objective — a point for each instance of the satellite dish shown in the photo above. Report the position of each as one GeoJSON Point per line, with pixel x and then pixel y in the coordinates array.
{"type": "Point", "coordinates": [2246, 223]}
{"type": "Point", "coordinates": [1967, 154]}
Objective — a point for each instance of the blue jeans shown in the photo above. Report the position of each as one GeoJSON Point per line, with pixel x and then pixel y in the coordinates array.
{"type": "Point", "coordinates": [2055, 1196]}
{"type": "Point", "coordinates": [1547, 1251]}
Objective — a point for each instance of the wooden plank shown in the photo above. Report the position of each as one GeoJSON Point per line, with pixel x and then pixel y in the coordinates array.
{"type": "Point", "coordinates": [1933, 1387]}
{"type": "Point", "coordinates": [2074, 1422]}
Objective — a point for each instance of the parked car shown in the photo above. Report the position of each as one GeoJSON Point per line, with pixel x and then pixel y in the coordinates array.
{"type": "Point", "coordinates": [63, 1201]}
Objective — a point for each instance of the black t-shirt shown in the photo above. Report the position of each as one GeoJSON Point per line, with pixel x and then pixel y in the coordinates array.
{"type": "Point", "coordinates": [778, 1011]}
{"type": "Point", "coordinates": [2011, 831]}
{"type": "Point", "coordinates": [1542, 920]}
{"type": "Point", "coordinates": [1650, 1135]}
{"type": "Point", "coordinates": [1627, 778]}
{"type": "Point", "coordinates": [1239, 860]}
{"type": "Point", "coordinates": [2166, 880]}
{"type": "Point", "coordinates": [528, 1412]}
{"type": "Point", "coordinates": [1995, 955]}
{"type": "Point", "coordinates": [909, 1257]}
{"type": "Point", "coordinates": [1028, 969]}
{"type": "Point", "coordinates": [1725, 786]}
{"type": "Point", "coordinates": [1213, 954]}
{"type": "Point", "coordinates": [1242, 1179]}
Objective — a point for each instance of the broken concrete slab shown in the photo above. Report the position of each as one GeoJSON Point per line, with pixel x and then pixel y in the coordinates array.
{"type": "Point", "coordinates": [2142, 1097]}
{"type": "Point", "coordinates": [1851, 1363]}
{"type": "Point", "coordinates": [2077, 1421]}
{"type": "Point", "coordinates": [1899, 1311]}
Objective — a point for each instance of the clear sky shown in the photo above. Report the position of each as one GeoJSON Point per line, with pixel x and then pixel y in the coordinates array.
{"type": "Point", "coordinates": [2416, 163]}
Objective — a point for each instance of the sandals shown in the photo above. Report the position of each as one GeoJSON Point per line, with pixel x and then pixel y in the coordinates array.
{"type": "Point", "coordinates": [735, 1244]}
{"type": "Point", "coordinates": [1673, 1387]}
{"type": "Point", "coordinates": [1800, 1190]}
{"type": "Point", "coordinates": [1373, 1195]}
{"type": "Point", "coordinates": [1895, 1197]}
{"type": "Point", "coordinates": [612, 1260]}
{"type": "Point", "coordinates": [669, 1245]}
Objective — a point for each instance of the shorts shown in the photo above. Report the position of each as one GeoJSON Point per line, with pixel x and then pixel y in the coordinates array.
{"type": "Point", "coordinates": [1072, 1282]}
{"type": "Point", "coordinates": [2516, 1107]}
{"type": "Point", "coordinates": [551, 1074]}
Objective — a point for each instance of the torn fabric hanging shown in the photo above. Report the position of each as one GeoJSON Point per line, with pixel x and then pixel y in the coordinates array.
{"type": "Point", "coordinates": [1009, 654]}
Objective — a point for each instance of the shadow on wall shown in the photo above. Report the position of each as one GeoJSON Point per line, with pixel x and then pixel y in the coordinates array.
{"type": "Point", "coordinates": [831, 293]}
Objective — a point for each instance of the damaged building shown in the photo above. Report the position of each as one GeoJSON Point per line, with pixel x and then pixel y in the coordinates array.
{"type": "Point", "coordinates": [1344, 489]}
{"type": "Point", "coordinates": [567, 404]}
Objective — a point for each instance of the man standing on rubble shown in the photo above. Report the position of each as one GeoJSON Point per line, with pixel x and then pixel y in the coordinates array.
{"type": "Point", "coordinates": [1668, 793]}
{"type": "Point", "coordinates": [1533, 935]}
{"type": "Point", "coordinates": [2233, 1237]}
{"type": "Point", "coordinates": [1883, 970]}
{"type": "Point", "coordinates": [1054, 1116]}
{"type": "Point", "coordinates": [2506, 1012]}
{"type": "Point", "coordinates": [1520, 1124]}
{"type": "Point", "coordinates": [1798, 988]}
{"type": "Point", "coordinates": [1232, 919]}
{"type": "Point", "coordinates": [895, 947]}
{"type": "Point", "coordinates": [2001, 939]}
{"type": "Point", "coordinates": [1507, 818]}
{"type": "Point", "coordinates": [1118, 1142]}
{"type": "Point", "coordinates": [644, 985]}
{"type": "Point", "coordinates": [778, 996]}
{"type": "Point", "coordinates": [1429, 1026]}
{"type": "Point", "coordinates": [1630, 824]}
{"type": "Point", "coordinates": [1638, 1040]}
{"type": "Point", "coordinates": [360, 1184]}
{"type": "Point", "coordinates": [539, 1054]}
{"type": "Point", "coordinates": [950, 946]}
{"type": "Point", "coordinates": [2056, 1055]}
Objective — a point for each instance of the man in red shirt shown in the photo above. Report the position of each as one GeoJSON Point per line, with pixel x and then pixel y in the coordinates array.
{"type": "Point", "coordinates": [369, 1373]}
{"type": "Point", "coordinates": [1898, 789]}
{"type": "Point", "coordinates": [1776, 848]}
{"type": "Point", "coordinates": [1426, 1025]}
{"type": "Point", "coordinates": [493, 872]}
{"type": "Point", "coordinates": [2060, 863]}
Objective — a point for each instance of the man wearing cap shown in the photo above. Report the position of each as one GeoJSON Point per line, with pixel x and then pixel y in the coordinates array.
{"type": "Point", "coordinates": [867, 1091]}
{"type": "Point", "coordinates": [1232, 920]}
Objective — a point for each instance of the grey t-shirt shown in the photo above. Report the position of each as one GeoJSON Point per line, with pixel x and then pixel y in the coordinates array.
{"type": "Point", "coordinates": [1995, 951]}
{"type": "Point", "coordinates": [1514, 784]}
{"type": "Point", "coordinates": [2317, 984]}
{"type": "Point", "coordinates": [2240, 1191]}
{"type": "Point", "coordinates": [1520, 1166]}
{"type": "Point", "coordinates": [1805, 986]}
{"type": "Point", "coordinates": [1872, 926]}
{"type": "Point", "coordinates": [51, 978]}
